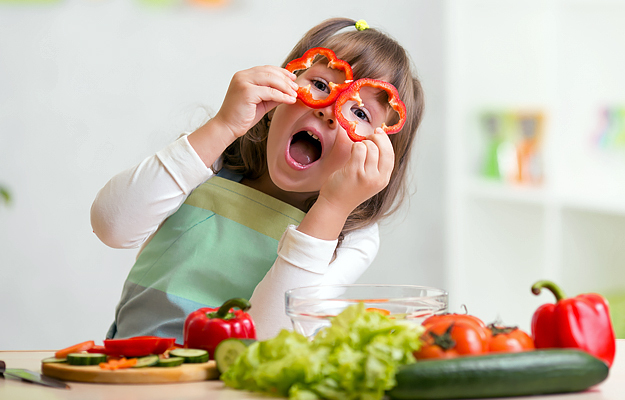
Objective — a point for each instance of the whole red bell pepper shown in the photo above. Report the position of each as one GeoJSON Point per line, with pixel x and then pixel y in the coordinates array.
{"type": "Point", "coordinates": [581, 322]}
{"type": "Point", "coordinates": [207, 327]}
{"type": "Point", "coordinates": [306, 61]}
{"type": "Point", "coordinates": [353, 93]}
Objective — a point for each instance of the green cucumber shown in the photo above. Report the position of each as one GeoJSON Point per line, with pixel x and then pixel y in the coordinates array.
{"type": "Point", "coordinates": [500, 375]}
{"type": "Point", "coordinates": [193, 356]}
{"type": "Point", "coordinates": [54, 360]}
{"type": "Point", "coordinates": [147, 361]}
{"type": "Point", "coordinates": [85, 358]}
{"type": "Point", "coordinates": [170, 362]}
{"type": "Point", "coordinates": [228, 350]}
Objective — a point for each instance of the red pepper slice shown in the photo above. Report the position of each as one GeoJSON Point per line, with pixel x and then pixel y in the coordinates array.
{"type": "Point", "coordinates": [77, 348]}
{"type": "Point", "coordinates": [138, 346]}
{"type": "Point", "coordinates": [207, 327]}
{"type": "Point", "coordinates": [97, 349]}
{"type": "Point", "coordinates": [353, 93]}
{"type": "Point", "coordinates": [306, 61]}
{"type": "Point", "coordinates": [581, 322]}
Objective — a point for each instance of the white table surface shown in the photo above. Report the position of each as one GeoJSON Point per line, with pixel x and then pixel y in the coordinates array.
{"type": "Point", "coordinates": [612, 388]}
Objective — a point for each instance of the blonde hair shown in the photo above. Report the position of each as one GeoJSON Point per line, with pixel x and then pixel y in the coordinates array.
{"type": "Point", "coordinates": [372, 54]}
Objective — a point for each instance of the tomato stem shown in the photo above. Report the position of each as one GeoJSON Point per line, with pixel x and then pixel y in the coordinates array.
{"type": "Point", "coordinates": [501, 330]}
{"type": "Point", "coordinates": [444, 340]}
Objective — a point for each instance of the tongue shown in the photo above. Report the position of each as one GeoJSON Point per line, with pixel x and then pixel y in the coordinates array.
{"type": "Point", "coordinates": [304, 152]}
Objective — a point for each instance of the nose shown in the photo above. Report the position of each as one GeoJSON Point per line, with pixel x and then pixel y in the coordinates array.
{"type": "Point", "coordinates": [326, 114]}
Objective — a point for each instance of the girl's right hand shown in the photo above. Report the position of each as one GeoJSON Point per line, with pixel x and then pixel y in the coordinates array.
{"type": "Point", "coordinates": [252, 93]}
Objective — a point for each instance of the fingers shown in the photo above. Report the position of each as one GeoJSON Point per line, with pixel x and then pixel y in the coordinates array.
{"type": "Point", "coordinates": [373, 156]}
{"type": "Point", "coordinates": [252, 93]}
{"type": "Point", "coordinates": [270, 84]}
{"type": "Point", "coordinates": [358, 157]}
{"type": "Point", "coordinates": [376, 154]}
{"type": "Point", "coordinates": [366, 172]}
{"type": "Point", "coordinates": [272, 97]}
{"type": "Point", "coordinates": [386, 159]}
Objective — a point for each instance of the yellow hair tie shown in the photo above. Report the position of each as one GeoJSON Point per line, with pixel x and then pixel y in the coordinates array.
{"type": "Point", "coordinates": [361, 25]}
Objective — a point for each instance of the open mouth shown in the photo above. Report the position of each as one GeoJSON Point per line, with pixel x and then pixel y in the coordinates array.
{"type": "Point", "coordinates": [305, 148]}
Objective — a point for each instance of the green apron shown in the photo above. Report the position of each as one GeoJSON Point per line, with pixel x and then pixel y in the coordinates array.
{"type": "Point", "coordinates": [218, 245]}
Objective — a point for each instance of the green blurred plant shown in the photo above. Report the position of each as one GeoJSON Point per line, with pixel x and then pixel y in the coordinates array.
{"type": "Point", "coordinates": [5, 195]}
{"type": "Point", "coordinates": [617, 312]}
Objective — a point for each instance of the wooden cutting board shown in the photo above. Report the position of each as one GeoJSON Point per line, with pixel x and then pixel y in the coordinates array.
{"type": "Point", "coordinates": [95, 374]}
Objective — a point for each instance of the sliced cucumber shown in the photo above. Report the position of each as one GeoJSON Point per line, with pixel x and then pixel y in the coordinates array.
{"type": "Point", "coordinates": [50, 360]}
{"type": "Point", "coordinates": [191, 355]}
{"type": "Point", "coordinates": [85, 358]}
{"type": "Point", "coordinates": [148, 361]}
{"type": "Point", "coordinates": [170, 362]}
{"type": "Point", "coordinates": [229, 350]}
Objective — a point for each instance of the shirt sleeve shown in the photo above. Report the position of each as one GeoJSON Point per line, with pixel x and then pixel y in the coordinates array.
{"type": "Point", "coordinates": [307, 261]}
{"type": "Point", "coordinates": [129, 209]}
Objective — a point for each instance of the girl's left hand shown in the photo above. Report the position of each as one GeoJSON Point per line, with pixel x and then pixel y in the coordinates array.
{"type": "Point", "coordinates": [366, 173]}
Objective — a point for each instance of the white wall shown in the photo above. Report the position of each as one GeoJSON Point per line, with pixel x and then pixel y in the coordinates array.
{"type": "Point", "coordinates": [88, 88]}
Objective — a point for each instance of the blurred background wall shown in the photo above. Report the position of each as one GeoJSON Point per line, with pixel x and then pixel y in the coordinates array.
{"type": "Point", "coordinates": [518, 175]}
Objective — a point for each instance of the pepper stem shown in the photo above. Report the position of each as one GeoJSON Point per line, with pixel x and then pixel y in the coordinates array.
{"type": "Point", "coordinates": [555, 289]}
{"type": "Point", "coordinates": [224, 310]}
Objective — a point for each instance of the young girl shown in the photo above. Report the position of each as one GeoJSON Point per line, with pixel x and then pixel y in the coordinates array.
{"type": "Point", "coordinates": [267, 196]}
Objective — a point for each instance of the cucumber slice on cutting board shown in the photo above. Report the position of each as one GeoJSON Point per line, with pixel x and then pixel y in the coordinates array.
{"type": "Point", "coordinates": [170, 362]}
{"type": "Point", "coordinates": [51, 360]}
{"type": "Point", "coordinates": [85, 358]}
{"type": "Point", "coordinates": [193, 356]}
{"type": "Point", "coordinates": [229, 350]}
{"type": "Point", "coordinates": [148, 361]}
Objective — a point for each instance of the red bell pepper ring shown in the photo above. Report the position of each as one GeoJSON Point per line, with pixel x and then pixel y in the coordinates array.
{"type": "Point", "coordinates": [306, 61]}
{"type": "Point", "coordinates": [353, 93]}
{"type": "Point", "coordinates": [581, 322]}
{"type": "Point", "coordinates": [138, 346]}
{"type": "Point", "coordinates": [207, 327]}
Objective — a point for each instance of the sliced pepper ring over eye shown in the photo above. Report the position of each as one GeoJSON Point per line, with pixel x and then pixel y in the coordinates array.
{"type": "Point", "coordinates": [306, 61]}
{"type": "Point", "coordinates": [353, 93]}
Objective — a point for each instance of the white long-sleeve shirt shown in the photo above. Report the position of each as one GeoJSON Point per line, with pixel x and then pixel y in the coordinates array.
{"type": "Point", "coordinates": [132, 206]}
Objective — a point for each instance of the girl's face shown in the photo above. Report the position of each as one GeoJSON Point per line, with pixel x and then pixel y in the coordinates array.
{"type": "Point", "coordinates": [305, 145]}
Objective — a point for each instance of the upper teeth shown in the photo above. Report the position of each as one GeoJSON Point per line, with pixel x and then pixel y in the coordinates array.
{"type": "Point", "coordinates": [312, 135]}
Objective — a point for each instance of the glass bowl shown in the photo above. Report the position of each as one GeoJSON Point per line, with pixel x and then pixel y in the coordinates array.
{"type": "Point", "coordinates": [311, 308]}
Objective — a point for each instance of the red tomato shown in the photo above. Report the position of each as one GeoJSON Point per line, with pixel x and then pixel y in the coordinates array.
{"type": "Point", "coordinates": [433, 351]}
{"type": "Point", "coordinates": [454, 317]}
{"type": "Point", "coordinates": [453, 338]}
{"type": "Point", "coordinates": [509, 339]}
